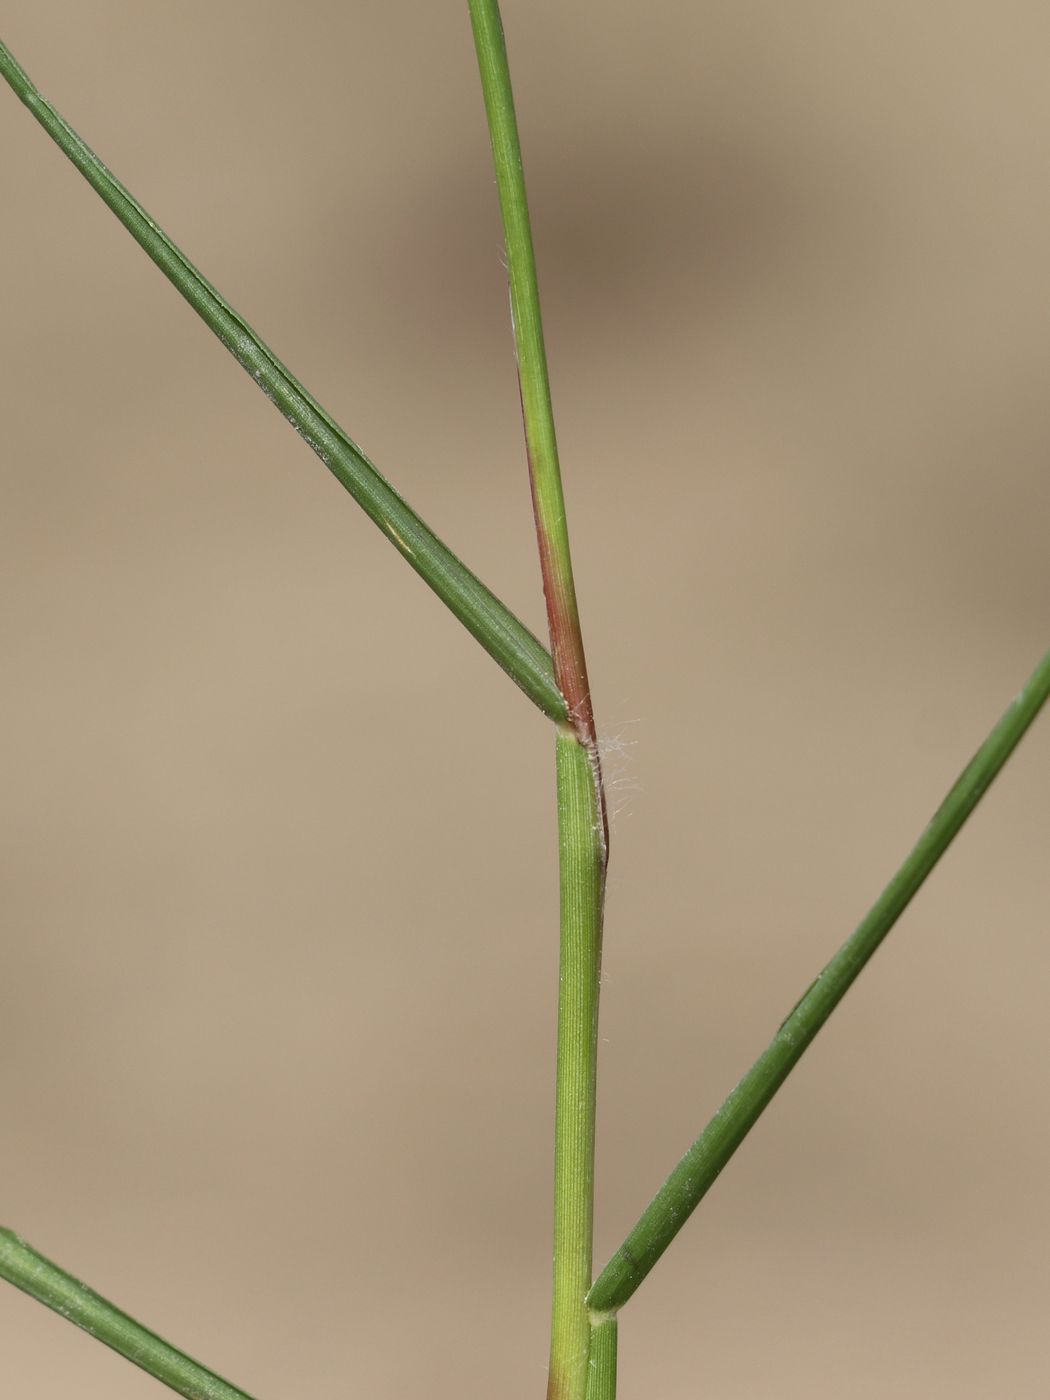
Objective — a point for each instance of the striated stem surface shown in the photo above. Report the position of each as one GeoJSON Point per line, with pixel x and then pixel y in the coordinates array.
{"type": "Point", "coordinates": [601, 1380]}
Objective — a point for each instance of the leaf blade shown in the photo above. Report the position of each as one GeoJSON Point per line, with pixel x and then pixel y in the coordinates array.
{"type": "Point", "coordinates": [21, 1265]}
{"type": "Point", "coordinates": [698, 1169]}
{"type": "Point", "coordinates": [507, 640]}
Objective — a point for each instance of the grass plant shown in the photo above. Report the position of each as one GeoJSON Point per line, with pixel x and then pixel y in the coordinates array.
{"type": "Point", "coordinates": [586, 1303]}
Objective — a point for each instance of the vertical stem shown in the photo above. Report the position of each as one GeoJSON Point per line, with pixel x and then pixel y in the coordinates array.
{"type": "Point", "coordinates": [601, 1381]}
{"type": "Point", "coordinates": [582, 821]}
{"type": "Point", "coordinates": [582, 868]}
{"type": "Point", "coordinates": [570, 665]}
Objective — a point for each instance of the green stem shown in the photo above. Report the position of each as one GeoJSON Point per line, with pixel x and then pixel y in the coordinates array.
{"type": "Point", "coordinates": [21, 1265]}
{"type": "Point", "coordinates": [570, 664]}
{"type": "Point", "coordinates": [582, 869]}
{"type": "Point", "coordinates": [506, 639]}
{"type": "Point", "coordinates": [582, 822]}
{"type": "Point", "coordinates": [601, 1380]}
{"type": "Point", "coordinates": [696, 1172]}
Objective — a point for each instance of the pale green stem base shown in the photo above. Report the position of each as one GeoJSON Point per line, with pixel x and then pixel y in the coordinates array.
{"type": "Point", "coordinates": [21, 1265]}
{"type": "Point", "coordinates": [581, 849]}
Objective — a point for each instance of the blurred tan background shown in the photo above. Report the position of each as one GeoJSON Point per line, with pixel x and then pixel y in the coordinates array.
{"type": "Point", "coordinates": [279, 929]}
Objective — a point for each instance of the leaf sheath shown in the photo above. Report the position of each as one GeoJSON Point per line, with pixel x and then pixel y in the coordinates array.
{"type": "Point", "coordinates": [601, 1370]}
{"type": "Point", "coordinates": [582, 869]}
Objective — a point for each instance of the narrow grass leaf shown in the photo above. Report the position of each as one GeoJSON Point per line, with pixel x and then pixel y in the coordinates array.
{"type": "Point", "coordinates": [21, 1265]}
{"type": "Point", "coordinates": [697, 1171]}
{"type": "Point", "coordinates": [502, 635]}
